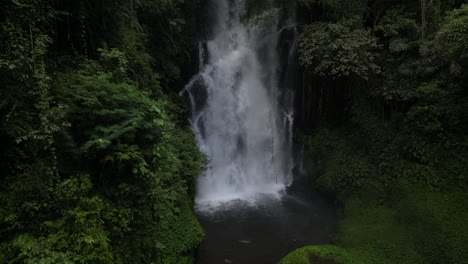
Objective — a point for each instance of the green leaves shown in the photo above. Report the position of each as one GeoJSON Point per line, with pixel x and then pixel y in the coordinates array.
{"type": "Point", "coordinates": [398, 23]}
{"type": "Point", "coordinates": [125, 137]}
{"type": "Point", "coordinates": [453, 36]}
{"type": "Point", "coordinates": [339, 9]}
{"type": "Point", "coordinates": [95, 154]}
{"type": "Point", "coordinates": [338, 50]}
{"type": "Point", "coordinates": [399, 161]}
{"type": "Point", "coordinates": [72, 232]}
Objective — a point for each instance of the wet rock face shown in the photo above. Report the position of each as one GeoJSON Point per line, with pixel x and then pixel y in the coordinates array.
{"type": "Point", "coordinates": [320, 100]}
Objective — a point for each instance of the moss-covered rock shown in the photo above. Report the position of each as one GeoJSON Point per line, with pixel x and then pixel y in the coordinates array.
{"type": "Point", "coordinates": [327, 254]}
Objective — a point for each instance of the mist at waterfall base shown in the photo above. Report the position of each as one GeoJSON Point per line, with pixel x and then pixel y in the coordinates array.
{"type": "Point", "coordinates": [242, 116]}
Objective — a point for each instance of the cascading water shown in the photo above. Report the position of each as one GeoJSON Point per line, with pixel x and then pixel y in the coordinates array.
{"type": "Point", "coordinates": [242, 119]}
{"type": "Point", "coordinates": [242, 114]}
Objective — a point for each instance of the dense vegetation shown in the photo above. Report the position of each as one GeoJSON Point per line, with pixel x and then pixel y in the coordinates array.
{"type": "Point", "coordinates": [383, 115]}
{"type": "Point", "coordinates": [97, 161]}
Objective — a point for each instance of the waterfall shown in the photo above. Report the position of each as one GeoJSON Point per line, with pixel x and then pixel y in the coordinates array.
{"type": "Point", "coordinates": [241, 117]}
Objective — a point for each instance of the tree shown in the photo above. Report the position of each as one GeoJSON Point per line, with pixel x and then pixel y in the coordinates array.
{"type": "Point", "coordinates": [338, 50]}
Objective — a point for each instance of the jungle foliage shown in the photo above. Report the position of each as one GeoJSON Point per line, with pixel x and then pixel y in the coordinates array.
{"type": "Point", "coordinates": [97, 161]}
{"type": "Point", "coordinates": [397, 154]}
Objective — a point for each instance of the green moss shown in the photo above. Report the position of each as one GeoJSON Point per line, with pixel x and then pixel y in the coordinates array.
{"type": "Point", "coordinates": [403, 200]}
{"type": "Point", "coordinates": [299, 256]}
{"type": "Point", "coordinates": [327, 254]}
{"type": "Point", "coordinates": [423, 227]}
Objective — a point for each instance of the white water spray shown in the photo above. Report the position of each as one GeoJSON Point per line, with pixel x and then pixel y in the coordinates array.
{"type": "Point", "coordinates": [242, 119]}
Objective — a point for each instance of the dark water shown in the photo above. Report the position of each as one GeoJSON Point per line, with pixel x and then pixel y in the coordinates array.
{"type": "Point", "coordinates": [267, 231]}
